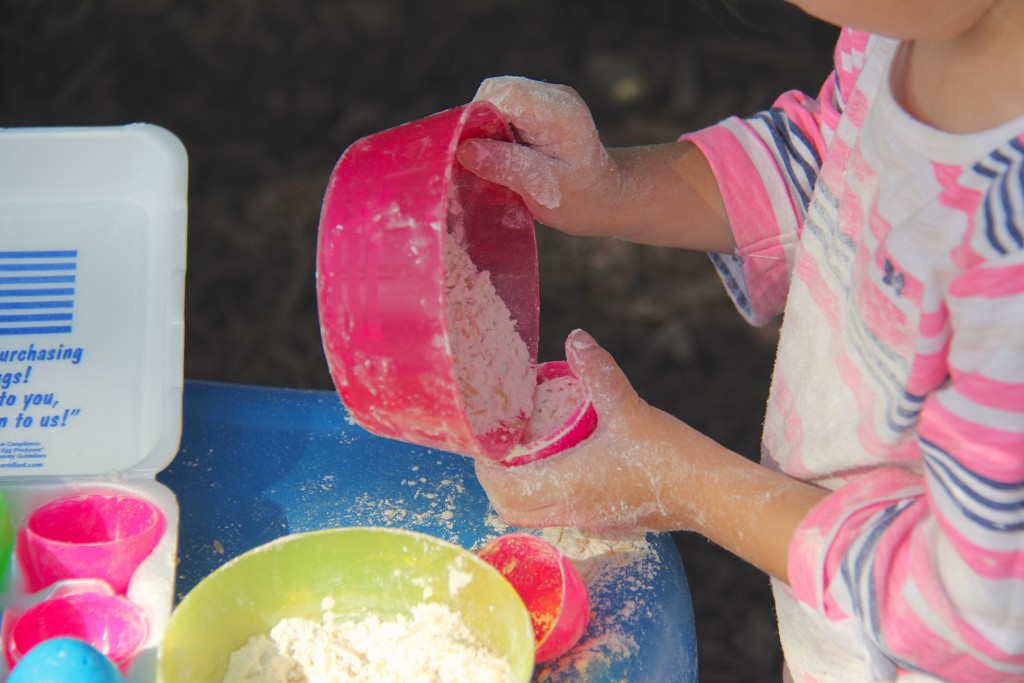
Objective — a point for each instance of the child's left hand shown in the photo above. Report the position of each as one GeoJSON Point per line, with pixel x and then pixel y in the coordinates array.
{"type": "Point", "coordinates": [644, 470]}
{"type": "Point", "coordinates": [628, 475]}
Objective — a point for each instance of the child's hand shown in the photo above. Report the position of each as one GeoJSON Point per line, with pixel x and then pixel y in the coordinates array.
{"type": "Point", "coordinates": [628, 475]}
{"type": "Point", "coordinates": [644, 470]}
{"type": "Point", "coordinates": [561, 169]}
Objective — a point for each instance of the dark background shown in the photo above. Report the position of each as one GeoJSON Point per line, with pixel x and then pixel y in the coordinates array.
{"type": "Point", "coordinates": [267, 94]}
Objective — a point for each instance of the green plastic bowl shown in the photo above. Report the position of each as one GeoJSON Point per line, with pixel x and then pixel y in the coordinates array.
{"type": "Point", "coordinates": [365, 570]}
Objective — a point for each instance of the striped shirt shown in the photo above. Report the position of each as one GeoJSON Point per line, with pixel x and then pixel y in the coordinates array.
{"type": "Point", "coordinates": [895, 252]}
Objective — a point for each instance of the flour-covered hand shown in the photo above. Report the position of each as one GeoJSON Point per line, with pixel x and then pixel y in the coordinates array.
{"type": "Point", "coordinates": [644, 470]}
{"type": "Point", "coordinates": [559, 165]}
{"type": "Point", "coordinates": [631, 474]}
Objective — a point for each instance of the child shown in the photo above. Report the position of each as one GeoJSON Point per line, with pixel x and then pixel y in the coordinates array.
{"type": "Point", "coordinates": [885, 218]}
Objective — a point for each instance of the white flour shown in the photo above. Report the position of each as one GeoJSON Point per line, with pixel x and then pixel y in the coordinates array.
{"type": "Point", "coordinates": [418, 503]}
{"type": "Point", "coordinates": [495, 374]}
{"type": "Point", "coordinates": [553, 405]}
{"type": "Point", "coordinates": [432, 645]}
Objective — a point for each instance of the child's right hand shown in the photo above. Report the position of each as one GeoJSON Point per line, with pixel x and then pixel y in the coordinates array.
{"type": "Point", "coordinates": [561, 169]}
{"type": "Point", "coordinates": [654, 194]}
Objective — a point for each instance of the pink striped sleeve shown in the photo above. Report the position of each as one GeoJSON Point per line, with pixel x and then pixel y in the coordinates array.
{"type": "Point", "coordinates": [766, 167]}
{"type": "Point", "coordinates": [762, 217]}
{"type": "Point", "coordinates": [932, 564]}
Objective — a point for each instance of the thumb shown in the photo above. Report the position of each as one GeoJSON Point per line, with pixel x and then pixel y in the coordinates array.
{"type": "Point", "coordinates": [525, 171]}
{"type": "Point", "coordinates": [604, 381]}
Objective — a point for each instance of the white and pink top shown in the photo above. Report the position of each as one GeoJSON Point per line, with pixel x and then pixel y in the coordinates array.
{"type": "Point", "coordinates": [895, 252]}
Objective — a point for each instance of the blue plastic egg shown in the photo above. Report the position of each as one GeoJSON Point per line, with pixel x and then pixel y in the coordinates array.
{"type": "Point", "coordinates": [64, 660]}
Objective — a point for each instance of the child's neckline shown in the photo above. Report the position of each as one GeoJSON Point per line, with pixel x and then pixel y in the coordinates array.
{"type": "Point", "coordinates": [964, 81]}
{"type": "Point", "coordinates": [962, 85]}
{"type": "Point", "coordinates": [931, 141]}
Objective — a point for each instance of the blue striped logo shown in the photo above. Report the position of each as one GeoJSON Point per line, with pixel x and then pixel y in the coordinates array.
{"type": "Point", "coordinates": [37, 291]}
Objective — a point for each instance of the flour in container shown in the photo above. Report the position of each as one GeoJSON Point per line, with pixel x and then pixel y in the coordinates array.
{"type": "Point", "coordinates": [430, 645]}
{"type": "Point", "coordinates": [554, 403]}
{"type": "Point", "coordinates": [495, 373]}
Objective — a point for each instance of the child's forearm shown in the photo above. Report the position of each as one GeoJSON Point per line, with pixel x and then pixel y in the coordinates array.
{"type": "Point", "coordinates": [669, 197]}
{"type": "Point", "coordinates": [744, 507]}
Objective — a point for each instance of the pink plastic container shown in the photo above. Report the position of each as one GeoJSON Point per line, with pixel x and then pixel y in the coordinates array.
{"type": "Point", "coordinates": [391, 203]}
{"type": "Point", "coordinates": [88, 537]}
{"type": "Point", "coordinates": [576, 420]}
{"type": "Point", "coordinates": [110, 623]}
{"type": "Point", "coordinates": [549, 584]}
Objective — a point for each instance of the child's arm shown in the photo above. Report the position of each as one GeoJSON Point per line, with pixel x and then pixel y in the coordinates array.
{"type": "Point", "coordinates": [644, 469]}
{"type": "Point", "coordinates": [661, 194]}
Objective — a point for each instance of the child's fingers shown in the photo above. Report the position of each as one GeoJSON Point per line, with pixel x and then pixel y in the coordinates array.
{"type": "Point", "coordinates": [606, 384]}
{"type": "Point", "coordinates": [525, 171]}
{"type": "Point", "coordinates": [540, 113]}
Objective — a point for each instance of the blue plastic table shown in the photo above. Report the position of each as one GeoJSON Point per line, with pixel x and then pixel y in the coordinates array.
{"type": "Point", "coordinates": [257, 463]}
